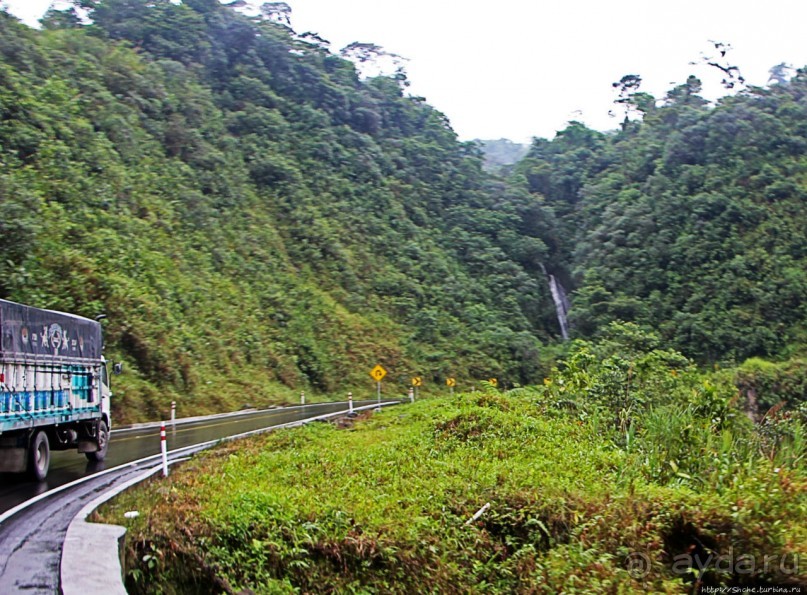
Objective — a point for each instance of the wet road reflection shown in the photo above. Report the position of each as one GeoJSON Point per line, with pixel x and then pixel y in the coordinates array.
{"type": "Point", "coordinates": [136, 443]}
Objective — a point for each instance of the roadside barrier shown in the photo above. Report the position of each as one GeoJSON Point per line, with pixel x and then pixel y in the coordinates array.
{"type": "Point", "coordinates": [109, 538]}
{"type": "Point", "coordinates": [164, 449]}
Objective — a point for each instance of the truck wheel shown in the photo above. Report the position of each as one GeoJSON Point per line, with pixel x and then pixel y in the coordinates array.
{"type": "Point", "coordinates": [39, 456]}
{"type": "Point", "coordinates": [103, 443]}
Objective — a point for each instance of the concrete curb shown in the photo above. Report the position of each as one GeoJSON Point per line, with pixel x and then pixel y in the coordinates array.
{"type": "Point", "coordinates": [91, 554]}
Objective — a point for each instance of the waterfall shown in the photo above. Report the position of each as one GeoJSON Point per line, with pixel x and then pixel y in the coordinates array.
{"type": "Point", "coordinates": [561, 305]}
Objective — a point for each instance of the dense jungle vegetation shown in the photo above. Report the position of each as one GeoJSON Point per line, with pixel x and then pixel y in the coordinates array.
{"type": "Point", "coordinates": [628, 471]}
{"type": "Point", "coordinates": [255, 218]}
{"type": "Point", "coordinates": [690, 221]}
{"type": "Point", "coordinates": [250, 215]}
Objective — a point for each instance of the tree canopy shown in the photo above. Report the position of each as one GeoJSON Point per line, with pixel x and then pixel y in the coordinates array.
{"type": "Point", "coordinates": [689, 221]}
{"type": "Point", "coordinates": [251, 215]}
{"type": "Point", "coordinates": [256, 218]}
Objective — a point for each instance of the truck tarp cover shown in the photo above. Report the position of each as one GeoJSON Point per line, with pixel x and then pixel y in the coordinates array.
{"type": "Point", "coordinates": [28, 332]}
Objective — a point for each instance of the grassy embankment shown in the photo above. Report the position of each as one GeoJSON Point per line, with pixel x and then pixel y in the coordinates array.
{"type": "Point", "coordinates": [579, 501]}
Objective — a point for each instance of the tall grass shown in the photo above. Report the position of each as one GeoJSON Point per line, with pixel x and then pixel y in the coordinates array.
{"type": "Point", "coordinates": [381, 506]}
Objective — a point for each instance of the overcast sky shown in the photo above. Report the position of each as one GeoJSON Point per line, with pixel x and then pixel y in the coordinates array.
{"type": "Point", "coordinates": [522, 68]}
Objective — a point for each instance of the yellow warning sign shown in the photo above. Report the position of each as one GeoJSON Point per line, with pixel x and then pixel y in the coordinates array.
{"type": "Point", "coordinates": [417, 381]}
{"type": "Point", "coordinates": [378, 373]}
{"type": "Point", "coordinates": [451, 382]}
{"type": "Point", "coordinates": [493, 381]}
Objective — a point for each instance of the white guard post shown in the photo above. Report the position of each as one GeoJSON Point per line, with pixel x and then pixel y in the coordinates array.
{"type": "Point", "coordinates": [164, 449]}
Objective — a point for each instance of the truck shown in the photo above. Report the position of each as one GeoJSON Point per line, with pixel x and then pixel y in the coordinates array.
{"type": "Point", "coordinates": [54, 388]}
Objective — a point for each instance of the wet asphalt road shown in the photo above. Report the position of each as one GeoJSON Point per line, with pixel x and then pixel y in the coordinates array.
{"type": "Point", "coordinates": [31, 540]}
{"type": "Point", "coordinates": [128, 445]}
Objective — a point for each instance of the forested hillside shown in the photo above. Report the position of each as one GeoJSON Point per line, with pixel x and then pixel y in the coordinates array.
{"type": "Point", "coordinates": [691, 221]}
{"type": "Point", "coordinates": [254, 218]}
{"type": "Point", "coordinates": [250, 215]}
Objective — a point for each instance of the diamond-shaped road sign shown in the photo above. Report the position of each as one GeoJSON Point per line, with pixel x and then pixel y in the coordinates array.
{"type": "Point", "coordinates": [451, 382]}
{"type": "Point", "coordinates": [378, 373]}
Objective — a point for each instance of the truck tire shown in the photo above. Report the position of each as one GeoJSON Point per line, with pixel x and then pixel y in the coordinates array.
{"type": "Point", "coordinates": [39, 456]}
{"type": "Point", "coordinates": [103, 443]}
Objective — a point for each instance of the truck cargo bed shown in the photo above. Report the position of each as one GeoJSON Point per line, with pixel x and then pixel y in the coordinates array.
{"type": "Point", "coordinates": [50, 367]}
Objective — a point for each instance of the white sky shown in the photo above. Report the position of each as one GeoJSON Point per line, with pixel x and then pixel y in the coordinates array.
{"type": "Point", "coordinates": [522, 68]}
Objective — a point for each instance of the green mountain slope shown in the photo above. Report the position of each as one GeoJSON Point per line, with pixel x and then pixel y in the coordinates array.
{"type": "Point", "coordinates": [255, 219]}
{"type": "Point", "coordinates": [250, 215]}
{"type": "Point", "coordinates": [691, 222]}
